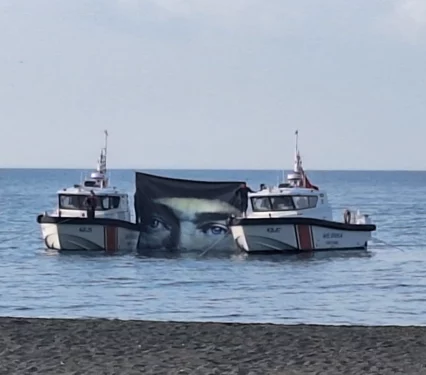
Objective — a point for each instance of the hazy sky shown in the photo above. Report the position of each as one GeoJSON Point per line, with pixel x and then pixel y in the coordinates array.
{"type": "Point", "coordinates": [213, 83]}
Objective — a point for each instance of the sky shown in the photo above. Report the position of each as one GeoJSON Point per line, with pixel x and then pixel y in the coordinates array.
{"type": "Point", "coordinates": [213, 83]}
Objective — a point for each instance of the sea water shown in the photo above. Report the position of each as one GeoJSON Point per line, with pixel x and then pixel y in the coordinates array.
{"type": "Point", "coordinates": [386, 285]}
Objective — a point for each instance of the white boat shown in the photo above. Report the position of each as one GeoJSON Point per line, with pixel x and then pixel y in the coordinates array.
{"type": "Point", "coordinates": [74, 226]}
{"type": "Point", "coordinates": [296, 216]}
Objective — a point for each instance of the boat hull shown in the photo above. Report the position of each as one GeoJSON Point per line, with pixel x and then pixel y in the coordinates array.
{"type": "Point", "coordinates": [278, 235]}
{"type": "Point", "coordinates": [77, 234]}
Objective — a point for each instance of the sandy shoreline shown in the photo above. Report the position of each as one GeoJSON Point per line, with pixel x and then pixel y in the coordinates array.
{"type": "Point", "coordinates": [97, 346]}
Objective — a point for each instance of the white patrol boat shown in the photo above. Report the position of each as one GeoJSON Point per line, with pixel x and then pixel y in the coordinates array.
{"type": "Point", "coordinates": [91, 216]}
{"type": "Point", "coordinates": [296, 216]}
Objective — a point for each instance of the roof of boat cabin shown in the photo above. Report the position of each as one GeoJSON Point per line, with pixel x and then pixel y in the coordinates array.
{"type": "Point", "coordinates": [85, 190]}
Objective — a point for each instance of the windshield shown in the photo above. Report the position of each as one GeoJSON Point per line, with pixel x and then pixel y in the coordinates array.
{"type": "Point", "coordinates": [283, 203]}
{"type": "Point", "coordinates": [78, 202]}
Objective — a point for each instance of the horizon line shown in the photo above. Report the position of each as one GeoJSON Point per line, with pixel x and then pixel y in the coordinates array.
{"type": "Point", "coordinates": [212, 169]}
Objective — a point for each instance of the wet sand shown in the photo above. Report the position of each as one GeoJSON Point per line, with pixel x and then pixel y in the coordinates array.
{"type": "Point", "coordinates": [98, 346]}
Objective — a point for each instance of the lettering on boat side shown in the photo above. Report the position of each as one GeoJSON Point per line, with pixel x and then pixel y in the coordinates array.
{"type": "Point", "coordinates": [85, 229]}
{"type": "Point", "coordinates": [331, 242]}
{"type": "Point", "coordinates": [332, 235]}
{"type": "Point", "coordinates": [273, 230]}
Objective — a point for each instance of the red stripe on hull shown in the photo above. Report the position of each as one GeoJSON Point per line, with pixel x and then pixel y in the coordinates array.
{"type": "Point", "coordinates": [110, 239]}
{"type": "Point", "coordinates": [305, 237]}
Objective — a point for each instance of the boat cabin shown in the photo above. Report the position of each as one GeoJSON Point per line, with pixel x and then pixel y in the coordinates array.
{"type": "Point", "coordinates": [289, 201]}
{"type": "Point", "coordinates": [110, 202]}
{"type": "Point", "coordinates": [294, 197]}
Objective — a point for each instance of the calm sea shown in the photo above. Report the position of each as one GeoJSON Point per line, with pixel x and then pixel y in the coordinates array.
{"type": "Point", "coordinates": [386, 285]}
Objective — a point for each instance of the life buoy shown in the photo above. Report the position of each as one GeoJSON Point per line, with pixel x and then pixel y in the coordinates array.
{"type": "Point", "coordinates": [347, 216]}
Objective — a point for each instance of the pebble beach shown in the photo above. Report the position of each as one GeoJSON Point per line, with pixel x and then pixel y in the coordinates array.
{"type": "Point", "coordinates": [101, 346]}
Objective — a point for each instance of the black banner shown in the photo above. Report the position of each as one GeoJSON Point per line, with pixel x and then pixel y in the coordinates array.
{"type": "Point", "coordinates": [184, 214]}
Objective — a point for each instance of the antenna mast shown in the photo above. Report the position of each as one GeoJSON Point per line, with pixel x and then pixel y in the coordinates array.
{"type": "Point", "coordinates": [297, 161]}
{"type": "Point", "coordinates": [102, 166]}
{"type": "Point", "coordinates": [297, 141]}
{"type": "Point", "coordinates": [105, 149]}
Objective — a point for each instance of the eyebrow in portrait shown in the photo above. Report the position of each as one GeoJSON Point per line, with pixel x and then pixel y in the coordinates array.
{"type": "Point", "coordinates": [202, 217]}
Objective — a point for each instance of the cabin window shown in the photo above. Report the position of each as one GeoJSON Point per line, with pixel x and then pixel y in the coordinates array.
{"type": "Point", "coordinates": [261, 204]}
{"type": "Point", "coordinates": [105, 203]}
{"type": "Point", "coordinates": [277, 203]}
{"type": "Point", "coordinates": [114, 202]}
{"type": "Point", "coordinates": [283, 203]}
{"type": "Point", "coordinates": [71, 202]}
{"type": "Point", "coordinates": [109, 203]}
{"type": "Point", "coordinates": [305, 202]}
{"type": "Point", "coordinates": [90, 183]}
{"type": "Point", "coordinates": [77, 202]}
